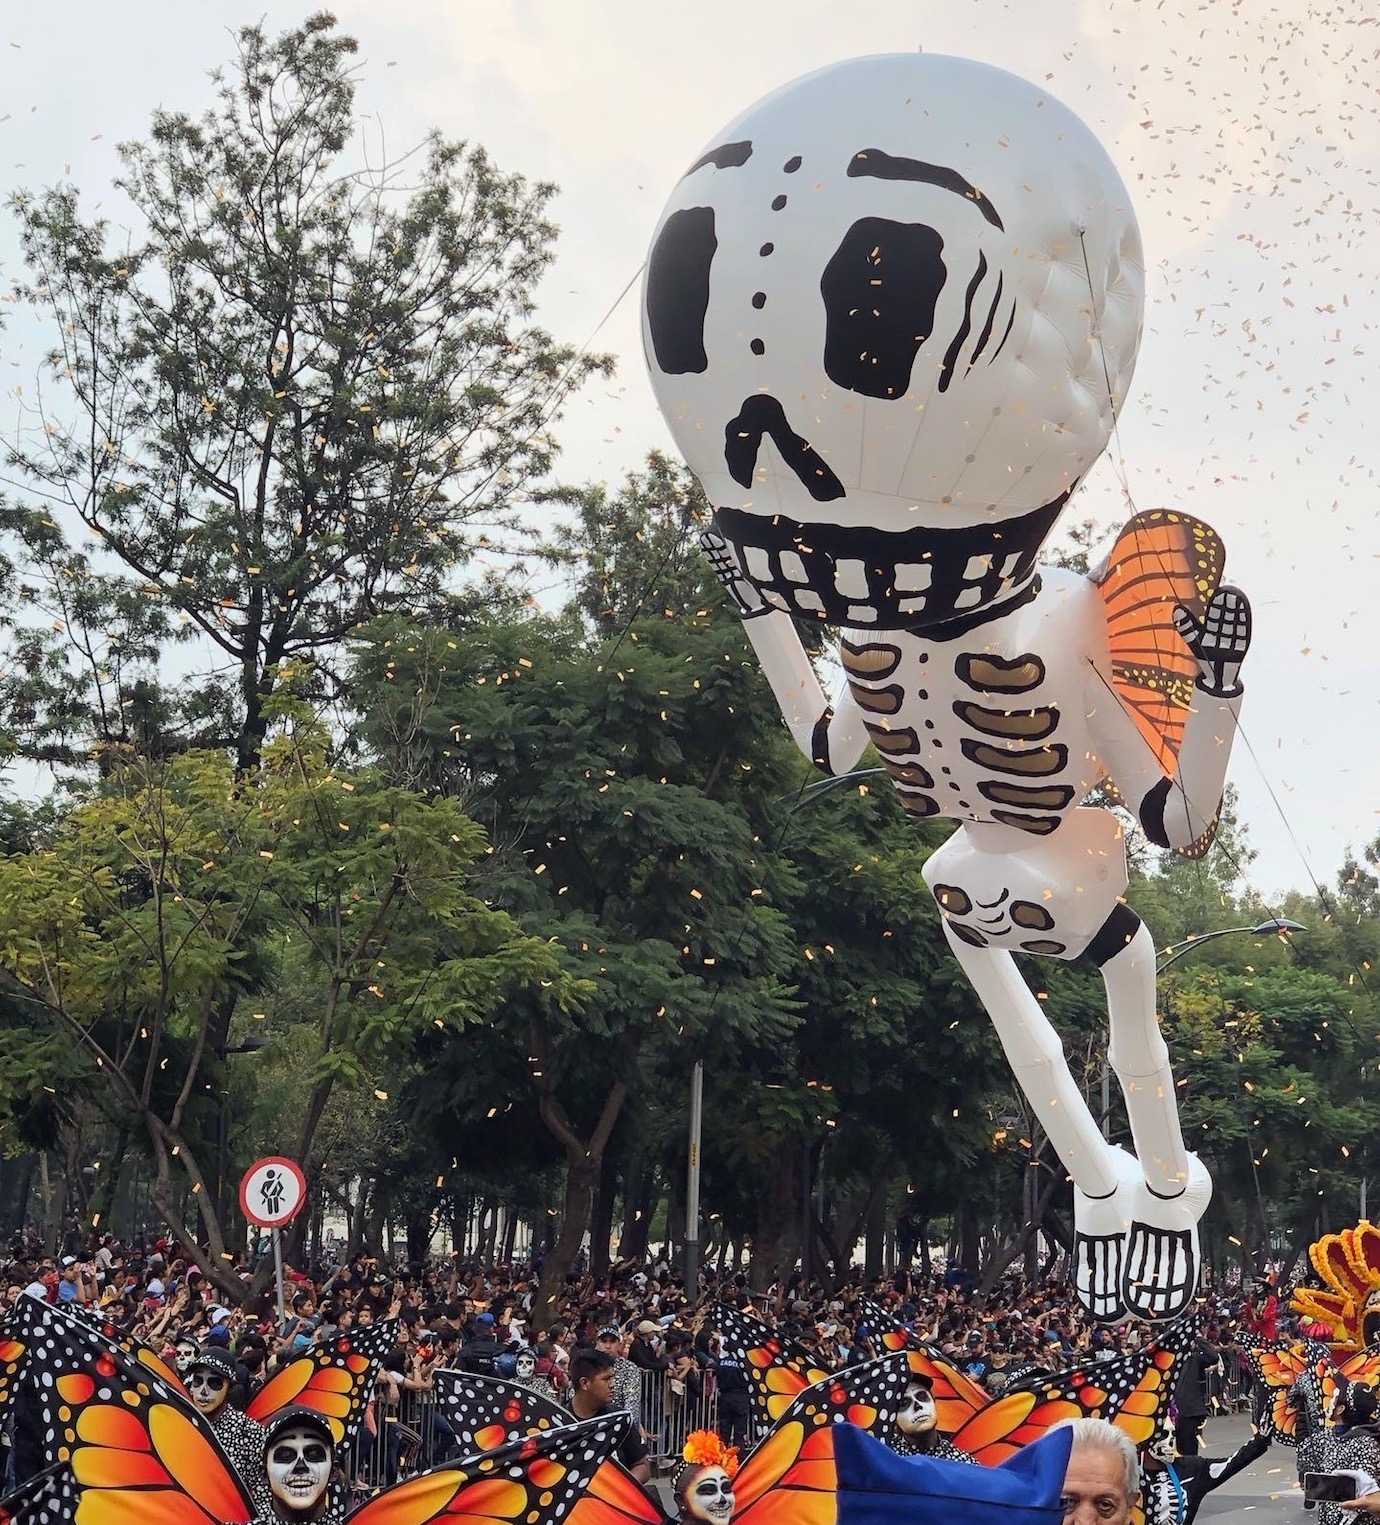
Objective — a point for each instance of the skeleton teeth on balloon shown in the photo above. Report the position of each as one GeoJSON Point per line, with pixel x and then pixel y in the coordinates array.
{"type": "Point", "coordinates": [889, 316]}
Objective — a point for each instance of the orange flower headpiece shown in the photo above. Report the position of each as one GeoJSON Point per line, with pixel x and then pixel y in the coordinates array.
{"type": "Point", "coordinates": [1349, 1264]}
{"type": "Point", "coordinates": [703, 1448]}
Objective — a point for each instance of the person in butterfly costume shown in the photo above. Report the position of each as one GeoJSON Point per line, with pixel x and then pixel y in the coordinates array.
{"type": "Point", "coordinates": [1173, 1488]}
{"type": "Point", "coordinates": [1322, 1406]}
{"type": "Point", "coordinates": [69, 1364]}
{"type": "Point", "coordinates": [900, 490]}
{"type": "Point", "coordinates": [136, 1459]}
{"type": "Point", "coordinates": [1132, 1392]}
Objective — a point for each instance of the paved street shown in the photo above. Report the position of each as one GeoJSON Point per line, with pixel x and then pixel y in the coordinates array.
{"type": "Point", "coordinates": [1266, 1491]}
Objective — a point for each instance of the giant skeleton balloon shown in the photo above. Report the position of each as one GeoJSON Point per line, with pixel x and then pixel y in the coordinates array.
{"type": "Point", "coordinates": [890, 314]}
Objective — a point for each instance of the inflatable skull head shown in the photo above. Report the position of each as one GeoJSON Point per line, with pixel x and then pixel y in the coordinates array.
{"type": "Point", "coordinates": [876, 315]}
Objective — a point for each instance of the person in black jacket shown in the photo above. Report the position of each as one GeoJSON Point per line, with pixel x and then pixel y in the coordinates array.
{"type": "Point", "coordinates": [480, 1354]}
{"type": "Point", "coordinates": [1191, 1395]}
{"type": "Point", "coordinates": [735, 1396]}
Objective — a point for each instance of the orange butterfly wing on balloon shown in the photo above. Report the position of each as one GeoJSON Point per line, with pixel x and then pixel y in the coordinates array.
{"type": "Point", "coordinates": [334, 1378]}
{"type": "Point", "coordinates": [1161, 559]}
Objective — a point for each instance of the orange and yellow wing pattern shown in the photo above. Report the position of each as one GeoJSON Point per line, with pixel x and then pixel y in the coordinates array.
{"type": "Point", "coordinates": [135, 1349]}
{"type": "Point", "coordinates": [335, 1379]}
{"type": "Point", "coordinates": [134, 1453]}
{"type": "Point", "coordinates": [789, 1479]}
{"type": "Point", "coordinates": [540, 1480]}
{"type": "Point", "coordinates": [778, 1370]}
{"type": "Point", "coordinates": [1279, 1368]}
{"type": "Point", "coordinates": [1161, 559]}
{"type": "Point", "coordinates": [486, 1412]}
{"type": "Point", "coordinates": [12, 1351]}
{"type": "Point", "coordinates": [867, 1396]}
{"type": "Point", "coordinates": [1132, 1391]}
{"type": "Point", "coordinates": [615, 1498]}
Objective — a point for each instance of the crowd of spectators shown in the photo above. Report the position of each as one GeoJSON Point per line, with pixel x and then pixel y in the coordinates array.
{"type": "Point", "coordinates": [455, 1313]}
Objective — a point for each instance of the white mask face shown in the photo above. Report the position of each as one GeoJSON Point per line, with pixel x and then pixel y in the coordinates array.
{"type": "Point", "coordinates": [710, 1496]}
{"type": "Point", "coordinates": [186, 1354]}
{"type": "Point", "coordinates": [525, 1367]}
{"type": "Point", "coordinates": [209, 1389]}
{"type": "Point", "coordinates": [916, 1416]}
{"type": "Point", "coordinates": [299, 1467]}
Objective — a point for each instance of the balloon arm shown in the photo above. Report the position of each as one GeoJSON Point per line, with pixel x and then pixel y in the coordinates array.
{"type": "Point", "coordinates": [1178, 810]}
{"type": "Point", "coordinates": [832, 737]}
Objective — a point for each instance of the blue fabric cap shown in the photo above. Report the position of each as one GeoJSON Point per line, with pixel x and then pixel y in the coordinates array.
{"type": "Point", "coordinates": [878, 1487]}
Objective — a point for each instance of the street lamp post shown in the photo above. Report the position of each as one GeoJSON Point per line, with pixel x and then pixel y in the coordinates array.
{"type": "Point", "coordinates": [692, 1183]}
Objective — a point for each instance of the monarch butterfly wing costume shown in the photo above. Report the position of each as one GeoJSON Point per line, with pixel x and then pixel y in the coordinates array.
{"type": "Point", "coordinates": [1131, 1391]}
{"type": "Point", "coordinates": [1161, 560]}
{"type": "Point", "coordinates": [545, 1479]}
{"type": "Point", "coordinates": [12, 1352]}
{"type": "Point", "coordinates": [132, 1451]}
{"type": "Point", "coordinates": [778, 1370]}
{"type": "Point", "coordinates": [809, 1472]}
{"type": "Point", "coordinates": [487, 1413]}
{"type": "Point", "coordinates": [142, 1354]}
{"type": "Point", "coordinates": [334, 1378]}
{"type": "Point", "coordinates": [890, 1331]}
{"type": "Point", "coordinates": [1293, 1375]}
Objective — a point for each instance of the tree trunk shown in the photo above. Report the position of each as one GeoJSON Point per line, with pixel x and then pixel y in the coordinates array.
{"type": "Point", "coordinates": [580, 1177]}
{"type": "Point", "coordinates": [776, 1232]}
{"type": "Point", "coordinates": [601, 1218]}
{"type": "Point", "coordinates": [875, 1247]}
{"type": "Point", "coordinates": [637, 1213]}
{"type": "Point", "coordinates": [510, 1227]}
{"type": "Point", "coordinates": [926, 1264]}
{"type": "Point", "coordinates": [968, 1256]}
{"type": "Point", "coordinates": [54, 1204]}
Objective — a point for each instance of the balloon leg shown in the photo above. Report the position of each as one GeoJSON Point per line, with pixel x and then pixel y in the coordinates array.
{"type": "Point", "coordinates": [1161, 1262]}
{"type": "Point", "coordinates": [1103, 1176]}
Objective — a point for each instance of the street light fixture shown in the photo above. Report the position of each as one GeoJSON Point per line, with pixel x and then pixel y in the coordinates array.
{"type": "Point", "coordinates": [1272, 926]}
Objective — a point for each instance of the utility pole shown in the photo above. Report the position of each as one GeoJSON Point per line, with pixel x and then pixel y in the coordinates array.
{"type": "Point", "coordinates": [692, 1183]}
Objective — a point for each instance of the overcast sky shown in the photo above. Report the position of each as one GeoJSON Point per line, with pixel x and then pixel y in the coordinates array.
{"type": "Point", "coordinates": [1247, 133]}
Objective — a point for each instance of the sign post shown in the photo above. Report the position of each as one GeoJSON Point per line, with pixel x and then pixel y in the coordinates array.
{"type": "Point", "coordinates": [272, 1192]}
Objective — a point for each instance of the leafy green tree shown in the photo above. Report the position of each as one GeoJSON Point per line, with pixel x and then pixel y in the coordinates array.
{"type": "Point", "coordinates": [171, 896]}
{"type": "Point", "coordinates": [299, 399]}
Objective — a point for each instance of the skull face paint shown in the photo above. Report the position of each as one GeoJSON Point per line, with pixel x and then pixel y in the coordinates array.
{"type": "Point", "coordinates": [209, 1389]}
{"type": "Point", "coordinates": [709, 1496]}
{"type": "Point", "coordinates": [299, 1468]}
{"type": "Point", "coordinates": [525, 1366]}
{"type": "Point", "coordinates": [916, 1415]}
{"type": "Point", "coordinates": [183, 1356]}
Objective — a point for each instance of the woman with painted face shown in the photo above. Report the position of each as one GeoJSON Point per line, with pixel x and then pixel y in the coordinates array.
{"type": "Point", "coordinates": [209, 1379]}
{"type": "Point", "coordinates": [299, 1462]}
{"type": "Point", "coordinates": [703, 1486]}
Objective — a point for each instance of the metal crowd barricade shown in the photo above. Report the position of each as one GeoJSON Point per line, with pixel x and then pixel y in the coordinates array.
{"type": "Point", "coordinates": [1230, 1390]}
{"type": "Point", "coordinates": [667, 1417]}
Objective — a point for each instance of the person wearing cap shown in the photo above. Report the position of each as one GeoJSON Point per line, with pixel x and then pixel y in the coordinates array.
{"type": "Point", "coordinates": [209, 1378]}
{"type": "Point", "coordinates": [627, 1383]}
{"type": "Point", "coordinates": [645, 1350]}
{"type": "Point", "coordinates": [299, 1461]}
{"type": "Point", "coordinates": [481, 1352]}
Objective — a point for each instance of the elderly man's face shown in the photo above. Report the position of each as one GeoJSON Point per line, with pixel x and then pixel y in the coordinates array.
{"type": "Point", "coordinates": [1095, 1488]}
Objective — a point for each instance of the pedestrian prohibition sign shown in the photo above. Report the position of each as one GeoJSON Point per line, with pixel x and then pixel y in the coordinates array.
{"type": "Point", "coordinates": [273, 1191]}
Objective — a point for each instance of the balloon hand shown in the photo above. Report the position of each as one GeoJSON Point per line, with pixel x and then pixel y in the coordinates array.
{"type": "Point", "coordinates": [744, 596]}
{"type": "Point", "coordinates": [1219, 641]}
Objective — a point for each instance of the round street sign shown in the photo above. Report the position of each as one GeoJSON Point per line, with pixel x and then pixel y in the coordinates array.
{"type": "Point", "coordinates": [273, 1191]}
